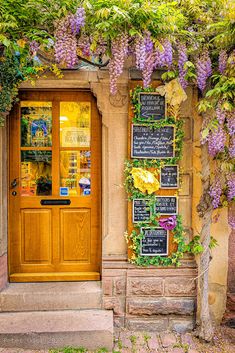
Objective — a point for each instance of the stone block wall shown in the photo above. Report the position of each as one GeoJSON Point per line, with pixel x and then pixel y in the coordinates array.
{"type": "Point", "coordinates": [150, 299]}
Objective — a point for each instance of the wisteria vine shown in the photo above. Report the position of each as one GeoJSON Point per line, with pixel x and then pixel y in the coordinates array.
{"type": "Point", "coordinates": [185, 48]}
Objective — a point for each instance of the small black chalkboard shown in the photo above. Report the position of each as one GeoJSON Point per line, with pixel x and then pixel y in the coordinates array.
{"type": "Point", "coordinates": [166, 205]}
{"type": "Point", "coordinates": [151, 144]}
{"type": "Point", "coordinates": [154, 242]}
{"type": "Point", "coordinates": [141, 211]}
{"type": "Point", "coordinates": [152, 106]}
{"type": "Point", "coordinates": [169, 177]}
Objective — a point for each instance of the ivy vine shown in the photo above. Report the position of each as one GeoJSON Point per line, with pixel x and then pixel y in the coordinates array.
{"type": "Point", "coordinates": [135, 237]}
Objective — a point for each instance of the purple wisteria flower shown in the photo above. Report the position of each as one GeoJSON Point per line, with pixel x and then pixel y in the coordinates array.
{"type": "Point", "coordinates": [204, 69]}
{"type": "Point", "coordinates": [215, 192]}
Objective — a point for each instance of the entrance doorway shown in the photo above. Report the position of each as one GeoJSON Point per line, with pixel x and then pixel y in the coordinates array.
{"type": "Point", "coordinates": [55, 187]}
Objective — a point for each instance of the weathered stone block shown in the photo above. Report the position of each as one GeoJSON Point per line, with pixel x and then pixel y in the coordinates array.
{"type": "Point", "coordinates": [107, 286]}
{"type": "Point", "coordinates": [145, 286]}
{"type": "Point", "coordinates": [140, 324]}
{"type": "Point", "coordinates": [180, 286]}
{"type": "Point", "coordinates": [160, 306]}
{"type": "Point", "coordinates": [114, 303]}
{"type": "Point", "coordinates": [182, 325]}
{"type": "Point", "coordinates": [120, 286]}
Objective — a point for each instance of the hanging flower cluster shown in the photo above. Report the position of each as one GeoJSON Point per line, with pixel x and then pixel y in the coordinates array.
{"type": "Point", "coordinates": [204, 70]}
{"type": "Point", "coordinates": [66, 41]}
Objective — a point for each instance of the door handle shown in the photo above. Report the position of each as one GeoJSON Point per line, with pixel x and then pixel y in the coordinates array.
{"type": "Point", "coordinates": [14, 183]}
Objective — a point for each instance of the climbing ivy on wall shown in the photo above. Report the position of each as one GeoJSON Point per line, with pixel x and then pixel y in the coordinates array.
{"type": "Point", "coordinates": [135, 237]}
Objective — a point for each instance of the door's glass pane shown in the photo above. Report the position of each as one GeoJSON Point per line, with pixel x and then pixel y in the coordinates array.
{"type": "Point", "coordinates": [75, 123]}
{"type": "Point", "coordinates": [75, 173]}
{"type": "Point", "coordinates": [36, 173]}
{"type": "Point", "coordinates": [36, 124]}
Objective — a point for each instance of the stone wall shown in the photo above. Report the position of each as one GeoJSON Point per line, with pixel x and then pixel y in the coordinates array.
{"type": "Point", "coordinates": [150, 299]}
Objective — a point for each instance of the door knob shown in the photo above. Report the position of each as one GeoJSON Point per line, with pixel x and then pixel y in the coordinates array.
{"type": "Point", "coordinates": [14, 193]}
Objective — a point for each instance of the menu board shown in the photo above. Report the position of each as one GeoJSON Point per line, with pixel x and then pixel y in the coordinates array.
{"type": "Point", "coordinates": [169, 177]}
{"type": "Point", "coordinates": [141, 211]}
{"type": "Point", "coordinates": [151, 144]}
{"type": "Point", "coordinates": [152, 106]}
{"type": "Point", "coordinates": [166, 205]}
{"type": "Point", "coordinates": [154, 242]}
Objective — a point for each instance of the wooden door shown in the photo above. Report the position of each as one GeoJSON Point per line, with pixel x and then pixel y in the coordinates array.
{"type": "Point", "coordinates": [55, 188]}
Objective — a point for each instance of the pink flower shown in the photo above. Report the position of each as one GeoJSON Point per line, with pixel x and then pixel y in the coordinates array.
{"type": "Point", "coordinates": [168, 223]}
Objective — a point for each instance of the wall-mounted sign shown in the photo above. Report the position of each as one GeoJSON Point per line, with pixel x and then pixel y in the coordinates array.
{"type": "Point", "coordinates": [166, 205]}
{"type": "Point", "coordinates": [140, 211]}
{"type": "Point", "coordinates": [154, 242]}
{"type": "Point", "coordinates": [151, 144]}
{"type": "Point", "coordinates": [169, 177]}
{"type": "Point", "coordinates": [152, 106]}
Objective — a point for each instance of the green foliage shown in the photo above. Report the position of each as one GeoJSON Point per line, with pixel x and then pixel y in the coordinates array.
{"type": "Point", "coordinates": [195, 246]}
{"type": "Point", "coordinates": [136, 236]}
{"type": "Point", "coordinates": [174, 259]}
{"type": "Point", "coordinates": [69, 350]}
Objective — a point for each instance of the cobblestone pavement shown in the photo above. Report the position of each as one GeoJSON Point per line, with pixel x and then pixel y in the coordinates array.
{"type": "Point", "coordinates": [149, 342]}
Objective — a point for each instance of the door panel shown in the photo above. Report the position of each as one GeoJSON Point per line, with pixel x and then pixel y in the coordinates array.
{"type": "Point", "coordinates": [76, 235]}
{"type": "Point", "coordinates": [55, 154]}
{"type": "Point", "coordinates": [36, 236]}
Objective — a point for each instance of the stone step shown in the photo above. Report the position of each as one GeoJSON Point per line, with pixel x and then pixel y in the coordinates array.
{"type": "Point", "coordinates": [92, 329]}
{"type": "Point", "coordinates": [51, 296]}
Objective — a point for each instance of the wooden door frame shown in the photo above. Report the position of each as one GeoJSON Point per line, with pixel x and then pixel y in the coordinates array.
{"type": "Point", "coordinates": [60, 90]}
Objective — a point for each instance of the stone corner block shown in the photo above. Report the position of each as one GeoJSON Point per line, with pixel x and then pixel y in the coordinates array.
{"type": "Point", "coordinates": [114, 303]}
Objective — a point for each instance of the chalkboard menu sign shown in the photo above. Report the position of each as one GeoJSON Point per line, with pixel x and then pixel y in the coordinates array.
{"type": "Point", "coordinates": [152, 106]}
{"type": "Point", "coordinates": [154, 242]}
{"type": "Point", "coordinates": [166, 205]}
{"type": "Point", "coordinates": [169, 177]}
{"type": "Point", "coordinates": [151, 144]}
{"type": "Point", "coordinates": [141, 211]}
